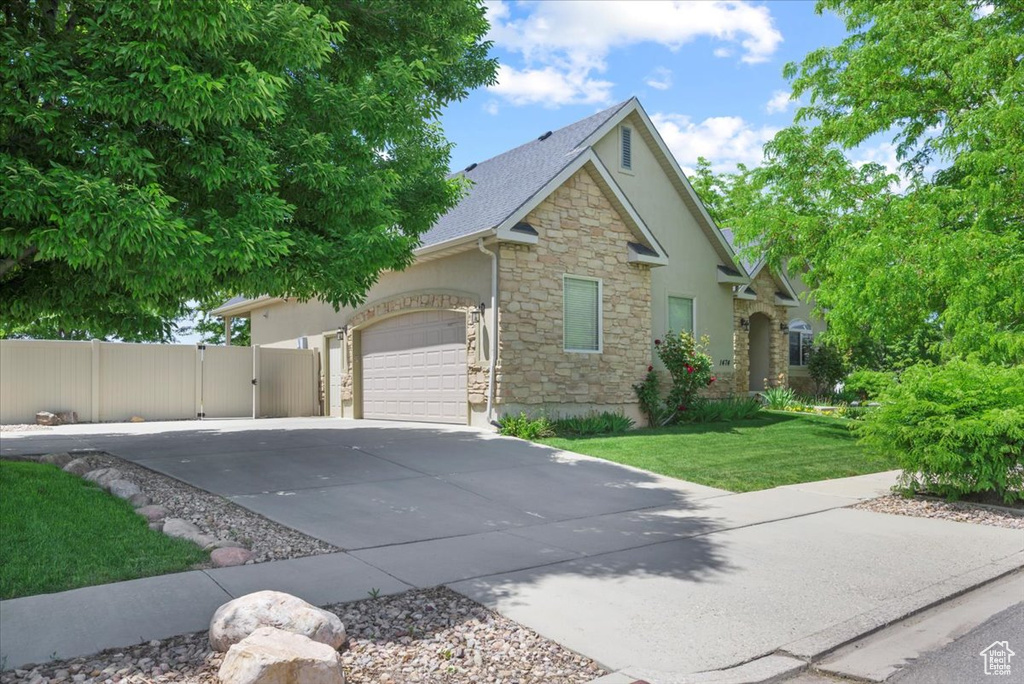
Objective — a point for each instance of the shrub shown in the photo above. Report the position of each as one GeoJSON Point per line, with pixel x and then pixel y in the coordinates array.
{"type": "Point", "coordinates": [826, 367]}
{"type": "Point", "coordinates": [689, 366]}
{"type": "Point", "coordinates": [956, 429]}
{"type": "Point", "coordinates": [779, 398]}
{"type": "Point", "coordinates": [719, 410]}
{"type": "Point", "coordinates": [867, 384]}
{"type": "Point", "coordinates": [606, 423]}
{"type": "Point", "coordinates": [525, 427]}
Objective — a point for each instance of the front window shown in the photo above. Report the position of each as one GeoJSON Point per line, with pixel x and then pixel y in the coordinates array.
{"type": "Point", "coordinates": [801, 339]}
{"type": "Point", "coordinates": [581, 321]}
{"type": "Point", "coordinates": [680, 314]}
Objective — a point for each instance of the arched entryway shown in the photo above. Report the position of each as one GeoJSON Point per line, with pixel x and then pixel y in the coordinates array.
{"type": "Point", "coordinates": [760, 351]}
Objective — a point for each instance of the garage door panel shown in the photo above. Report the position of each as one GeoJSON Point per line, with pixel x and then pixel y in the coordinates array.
{"type": "Point", "coordinates": [414, 368]}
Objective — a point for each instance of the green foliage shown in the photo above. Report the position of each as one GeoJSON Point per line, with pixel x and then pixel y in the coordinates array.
{"type": "Point", "coordinates": [723, 410]}
{"type": "Point", "coordinates": [956, 429]}
{"type": "Point", "coordinates": [826, 367]}
{"type": "Point", "coordinates": [605, 423]}
{"type": "Point", "coordinates": [648, 393]}
{"type": "Point", "coordinates": [153, 153]}
{"type": "Point", "coordinates": [688, 364]}
{"type": "Point", "coordinates": [779, 398]}
{"type": "Point", "coordinates": [867, 385]}
{"type": "Point", "coordinates": [525, 426]}
{"type": "Point", "coordinates": [939, 254]}
{"type": "Point", "coordinates": [211, 328]}
{"type": "Point", "coordinates": [61, 532]}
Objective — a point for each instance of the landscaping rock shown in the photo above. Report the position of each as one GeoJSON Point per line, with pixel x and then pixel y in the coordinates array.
{"type": "Point", "coordinates": [136, 419]}
{"type": "Point", "coordinates": [79, 466]}
{"type": "Point", "coordinates": [183, 529]}
{"type": "Point", "coordinates": [67, 417]}
{"type": "Point", "coordinates": [229, 556]}
{"type": "Point", "coordinates": [153, 513]}
{"type": "Point", "coordinates": [47, 418]}
{"type": "Point", "coordinates": [60, 459]}
{"type": "Point", "coordinates": [157, 526]}
{"type": "Point", "coordinates": [274, 656]}
{"type": "Point", "coordinates": [126, 489]}
{"type": "Point", "coordinates": [103, 476]}
{"type": "Point", "coordinates": [239, 618]}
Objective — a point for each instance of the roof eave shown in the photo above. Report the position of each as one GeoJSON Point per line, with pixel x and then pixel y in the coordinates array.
{"type": "Point", "coordinates": [244, 307]}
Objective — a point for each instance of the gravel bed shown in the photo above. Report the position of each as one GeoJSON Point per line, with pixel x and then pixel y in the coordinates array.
{"type": "Point", "coordinates": [432, 635]}
{"type": "Point", "coordinates": [215, 515]}
{"type": "Point", "coordinates": [23, 427]}
{"type": "Point", "coordinates": [958, 511]}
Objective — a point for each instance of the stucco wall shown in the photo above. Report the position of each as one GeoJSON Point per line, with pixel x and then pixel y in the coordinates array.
{"type": "Point", "coordinates": [580, 234]}
{"type": "Point", "coordinates": [281, 324]}
{"type": "Point", "coordinates": [692, 271]}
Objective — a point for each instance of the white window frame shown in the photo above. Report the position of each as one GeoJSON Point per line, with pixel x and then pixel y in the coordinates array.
{"type": "Point", "coordinates": [632, 146]}
{"type": "Point", "coordinates": [668, 310]}
{"type": "Point", "coordinates": [806, 338]}
{"type": "Point", "coordinates": [600, 314]}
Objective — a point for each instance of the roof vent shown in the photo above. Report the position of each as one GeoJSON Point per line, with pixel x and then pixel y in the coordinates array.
{"type": "Point", "coordinates": [470, 167]}
{"type": "Point", "coordinates": [545, 136]}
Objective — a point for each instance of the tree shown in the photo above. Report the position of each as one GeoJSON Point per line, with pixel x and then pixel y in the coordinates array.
{"type": "Point", "coordinates": [156, 153]}
{"type": "Point", "coordinates": [944, 251]}
{"type": "Point", "coordinates": [211, 328]}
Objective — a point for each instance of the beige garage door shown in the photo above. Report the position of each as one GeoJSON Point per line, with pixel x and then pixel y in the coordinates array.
{"type": "Point", "coordinates": [414, 368]}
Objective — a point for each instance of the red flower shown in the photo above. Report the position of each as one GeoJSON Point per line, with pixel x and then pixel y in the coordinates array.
{"type": "Point", "coordinates": [711, 380]}
{"type": "Point", "coordinates": [681, 408]}
{"type": "Point", "coordinates": [657, 342]}
{"type": "Point", "coordinates": [689, 369]}
{"type": "Point", "coordinates": [650, 368]}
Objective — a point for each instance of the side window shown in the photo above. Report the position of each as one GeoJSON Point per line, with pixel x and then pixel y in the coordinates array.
{"type": "Point", "coordinates": [581, 314]}
{"type": "Point", "coordinates": [801, 339]}
{"type": "Point", "coordinates": [680, 314]}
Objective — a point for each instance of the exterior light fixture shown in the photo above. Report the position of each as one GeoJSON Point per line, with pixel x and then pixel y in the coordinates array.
{"type": "Point", "coordinates": [745, 323]}
{"type": "Point", "coordinates": [478, 312]}
{"type": "Point", "coordinates": [342, 332]}
{"type": "Point", "coordinates": [784, 327]}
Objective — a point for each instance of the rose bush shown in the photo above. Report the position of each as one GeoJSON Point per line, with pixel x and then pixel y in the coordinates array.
{"type": "Point", "coordinates": [689, 367]}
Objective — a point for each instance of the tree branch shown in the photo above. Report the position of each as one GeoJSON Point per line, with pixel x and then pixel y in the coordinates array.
{"type": "Point", "coordinates": [10, 262]}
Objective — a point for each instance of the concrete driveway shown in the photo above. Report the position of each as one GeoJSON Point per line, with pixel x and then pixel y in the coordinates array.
{"type": "Point", "coordinates": [650, 576]}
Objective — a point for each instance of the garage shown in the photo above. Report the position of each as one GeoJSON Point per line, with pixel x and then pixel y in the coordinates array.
{"type": "Point", "coordinates": [414, 368]}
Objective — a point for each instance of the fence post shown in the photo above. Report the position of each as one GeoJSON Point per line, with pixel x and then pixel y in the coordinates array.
{"type": "Point", "coordinates": [94, 404]}
{"type": "Point", "coordinates": [255, 382]}
{"type": "Point", "coordinates": [198, 361]}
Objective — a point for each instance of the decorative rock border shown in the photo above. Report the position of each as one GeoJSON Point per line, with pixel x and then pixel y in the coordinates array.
{"type": "Point", "coordinates": [960, 511]}
{"type": "Point", "coordinates": [232, 534]}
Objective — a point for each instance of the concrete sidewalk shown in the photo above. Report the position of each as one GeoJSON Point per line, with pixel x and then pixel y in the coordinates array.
{"type": "Point", "coordinates": [656, 579]}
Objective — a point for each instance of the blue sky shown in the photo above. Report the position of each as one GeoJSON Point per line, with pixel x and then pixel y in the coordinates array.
{"type": "Point", "coordinates": [708, 73]}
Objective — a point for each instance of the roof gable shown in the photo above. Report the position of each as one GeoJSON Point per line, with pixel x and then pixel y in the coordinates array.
{"type": "Point", "coordinates": [505, 183]}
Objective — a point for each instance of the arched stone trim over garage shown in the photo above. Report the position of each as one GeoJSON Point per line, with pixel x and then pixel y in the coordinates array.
{"type": "Point", "coordinates": [778, 351]}
{"type": "Point", "coordinates": [379, 311]}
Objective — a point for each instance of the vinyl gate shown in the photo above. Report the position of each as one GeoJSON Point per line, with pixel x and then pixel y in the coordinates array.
{"type": "Point", "coordinates": [114, 381]}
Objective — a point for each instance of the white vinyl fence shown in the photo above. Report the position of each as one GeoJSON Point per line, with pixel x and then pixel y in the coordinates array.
{"type": "Point", "coordinates": [114, 381]}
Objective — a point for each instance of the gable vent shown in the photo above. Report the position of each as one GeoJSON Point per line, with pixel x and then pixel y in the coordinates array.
{"type": "Point", "coordinates": [627, 147]}
{"type": "Point", "coordinates": [545, 136]}
{"type": "Point", "coordinates": [470, 167]}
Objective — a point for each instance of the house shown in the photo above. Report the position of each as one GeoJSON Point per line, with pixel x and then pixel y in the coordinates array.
{"type": "Point", "coordinates": [545, 288]}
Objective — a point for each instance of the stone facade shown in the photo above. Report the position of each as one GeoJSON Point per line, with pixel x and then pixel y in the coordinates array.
{"type": "Point", "coordinates": [580, 234]}
{"type": "Point", "coordinates": [778, 351]}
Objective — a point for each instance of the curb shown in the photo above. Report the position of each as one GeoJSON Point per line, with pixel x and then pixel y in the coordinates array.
{"type": "Point", "coordinates": [765, 670]}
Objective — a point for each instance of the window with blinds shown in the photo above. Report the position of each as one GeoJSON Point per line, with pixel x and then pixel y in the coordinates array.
{"type": "Point", "coordinates": [626, 136]}
{"type": "Point", "coordinates": [680, 314]}
{"type": "Point", "coordinates": [581, 321]}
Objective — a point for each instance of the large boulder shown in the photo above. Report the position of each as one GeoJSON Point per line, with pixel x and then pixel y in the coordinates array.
{"type": "Point", "coordinates": [275, 656]}
{"type": "Point", "coordinates": [59, 459]}
{"type": "Point", "coordinates": [128, 490]}
{"type": "Point", "coordinates": [229, 556]}
{"type": "Point", "coordinates": [47, 418]}
{"type": "Point", "coordinates": [239, 618]}
{"type": "Point", "coordinates": [183, 529]}
{"type": "Point", "coordinates": [79, 466]}
{"type": "Point", "coordinates": [104, 476]}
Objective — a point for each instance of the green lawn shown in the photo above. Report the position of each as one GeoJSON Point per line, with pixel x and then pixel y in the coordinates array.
{"type": "Point", "coordinates": [60, 532]}
{"type": "Point", "coordinates": [770, 450]}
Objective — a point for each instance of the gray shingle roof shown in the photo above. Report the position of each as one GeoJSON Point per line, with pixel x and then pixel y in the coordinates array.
{"type": "Point", "coordinates": [503, 183]}
{"type": "Point", "coordinates": [731, 239]}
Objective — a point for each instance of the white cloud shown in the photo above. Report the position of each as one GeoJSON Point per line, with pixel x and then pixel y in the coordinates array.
{"type": "Point", "coordinates": [660, 79]}
{"type": "Point", "coordinates": [724, 140]}
{"type": "Point", "coordinates": [550, 87]}
{"type": "Point", "coordinates": [566, 42]}
{"type": "Point", "coordinates": [491, 107]}
{"type": "Point", "coordinates": [779, 102]}
{"type": "Point", "coordinates": [722, 52]}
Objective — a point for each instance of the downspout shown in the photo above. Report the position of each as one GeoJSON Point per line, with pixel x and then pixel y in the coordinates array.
{"type": "Point", "coordinates": [494, 328]}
